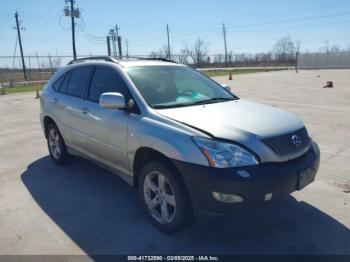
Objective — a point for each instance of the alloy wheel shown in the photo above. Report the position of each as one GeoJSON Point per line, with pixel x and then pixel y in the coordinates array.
{"type": "Point", "coordinates": [55, 143]}
{"type": "Point", "coordinates": [159, 197]}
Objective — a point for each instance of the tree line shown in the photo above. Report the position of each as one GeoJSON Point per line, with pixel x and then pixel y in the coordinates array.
{"type": "Point", "coordinates": [283, 53]}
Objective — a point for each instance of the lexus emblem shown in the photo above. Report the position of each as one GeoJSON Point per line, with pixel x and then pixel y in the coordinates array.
{"type": "Point", "coordinates": [296, 140]}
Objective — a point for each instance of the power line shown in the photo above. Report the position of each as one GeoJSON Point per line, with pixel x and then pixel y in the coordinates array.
{"type": "Point", "coordinates": [177, 35]}
{"type": "Point", "coordinates": [214, 26]}
{"type": "Point", "coordinates": [292, 27]}
{"type": "Point", "coordinates": [44, 14]}
{"type": "Point", "coordinates": [261, 24]}
{"type": "Point", "coordinates": [95, 37]}
{"type": "Point", "coordinates": [91, 40]}
{"type": "Point", "coordinates": [139, 42]}
{"type": "Point", "coordinates": [291, 20]}
{"type": "Point", "coordinates": [100, 40]}
{"type": "Point", "coordinates": [285, 28]}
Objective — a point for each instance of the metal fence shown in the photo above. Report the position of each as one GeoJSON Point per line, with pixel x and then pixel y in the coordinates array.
{"type": "Point", "coordinates": [42, 67]}
{"type": "Point", "coordinates": [339, 60]}
{"type": "Point", "coordinates": [38, 68]}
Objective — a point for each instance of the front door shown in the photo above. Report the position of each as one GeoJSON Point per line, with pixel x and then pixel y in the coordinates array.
{"type": "Point", "coordinates": [109, 127]}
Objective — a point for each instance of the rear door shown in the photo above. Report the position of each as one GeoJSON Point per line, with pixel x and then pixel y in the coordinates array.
{"type": "Point", "coordinates": [73, 114]}
{"type": "Point", "coordinates": [57, 98]}
{"type": "Point", "coordinates": [109, 127]}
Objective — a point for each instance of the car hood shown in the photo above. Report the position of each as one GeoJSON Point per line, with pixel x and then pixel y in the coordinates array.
{"type": "Point", "coordinates": [237, 120]}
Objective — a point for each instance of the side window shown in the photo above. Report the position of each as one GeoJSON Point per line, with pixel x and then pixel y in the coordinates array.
{"type": "Point", "coordinates": [64, 84]}
{"type": "Point", "coordinates": [77, 81]}
{"type": "Point", "coordinates": [58, 83]}
{"type": "Point", "coordinates": [106, 80]}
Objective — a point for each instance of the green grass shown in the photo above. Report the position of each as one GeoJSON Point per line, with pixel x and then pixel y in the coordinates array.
{"type": "Point", "coordinates": [21, 89]}
{"type": "Point", "coordinates": [213, 73]}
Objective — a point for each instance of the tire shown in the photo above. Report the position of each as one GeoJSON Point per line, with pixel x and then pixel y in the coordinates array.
{"type": "Point", "coordinates": [56, 145]}
{"type": "Point", "coordinates": [164, 197]}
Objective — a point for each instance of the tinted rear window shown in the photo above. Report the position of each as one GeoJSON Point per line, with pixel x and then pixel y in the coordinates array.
{"type": "Point", "coordinates": [77, 81]}
{"type": "Point", "coordinates": [58, 83]}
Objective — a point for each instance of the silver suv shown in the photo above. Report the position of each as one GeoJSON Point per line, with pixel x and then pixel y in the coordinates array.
{"type": "Point", "coordinates": [182, 139]}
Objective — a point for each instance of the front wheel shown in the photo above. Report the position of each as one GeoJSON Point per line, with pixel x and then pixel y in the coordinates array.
{"type": "Point", "coordinates": [164, 197]}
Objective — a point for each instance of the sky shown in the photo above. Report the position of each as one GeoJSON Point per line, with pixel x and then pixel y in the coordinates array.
{"type": "Point", "coordinates": [252, 25]}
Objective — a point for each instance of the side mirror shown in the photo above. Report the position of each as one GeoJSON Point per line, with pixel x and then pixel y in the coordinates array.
{"type": "Point", "coordinates": [226, 87]}
{"type": "Point", "coordinates": [112, 101]}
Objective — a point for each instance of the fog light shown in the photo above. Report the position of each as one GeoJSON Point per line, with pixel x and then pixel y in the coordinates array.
{"type": "Point", "coordinates": [268, 196]}
{"type": "Point", "coordinates": [227, 198]}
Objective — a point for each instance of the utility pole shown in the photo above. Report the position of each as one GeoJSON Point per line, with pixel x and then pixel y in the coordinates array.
{"type": "Point", "coordinates": [224, 32]}
{"type": "Point", "coordinates": [117, 39]}
{"type": "Point", "coordinates": [108, 46]}
{"type": "Point", "coordinates": [20, 45]}
{"type": "Point", "coordinates": [117, 30]}
{"type": "Point", "coordinates": [73, 13]}
{"type": "Point", "coordinates": [112, 35]}
{"type": "Point", "coordinates": [120, 47]}
{"type": "Point", "coordinates": [127, 48]}
{"type": "Point", "coordinates": [167, 31]}
{"type": "Point", "coordinates": [73, 28]}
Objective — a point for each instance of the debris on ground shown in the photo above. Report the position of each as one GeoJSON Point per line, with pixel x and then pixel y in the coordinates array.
{"type": "Point", "coordinates": [329, 84]}
{"type": "Point", "coordinates": [345, 187]}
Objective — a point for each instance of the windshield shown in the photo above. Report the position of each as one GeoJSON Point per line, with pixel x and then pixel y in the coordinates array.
{"type": "Point", "coordinates": [176, 86]}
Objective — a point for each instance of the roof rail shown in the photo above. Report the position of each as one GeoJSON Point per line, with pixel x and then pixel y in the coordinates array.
{"type": "Point", "coordinates": [105, 58]}
{"type": "Point", "coordinates": [155, 59]}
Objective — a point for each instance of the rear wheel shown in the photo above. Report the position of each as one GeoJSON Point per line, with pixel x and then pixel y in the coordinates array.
{"type": "Point", "coordinates": [56, 145]}
{"type": "Point", "coordinates": [164, 197]}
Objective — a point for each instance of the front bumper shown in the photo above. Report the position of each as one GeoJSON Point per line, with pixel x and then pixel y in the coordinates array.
{"type": "Point", "coordinates": [276, 178]}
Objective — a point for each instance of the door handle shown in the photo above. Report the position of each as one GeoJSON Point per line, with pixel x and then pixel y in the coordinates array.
{"type": "Point", "coordinates": [84, 110]}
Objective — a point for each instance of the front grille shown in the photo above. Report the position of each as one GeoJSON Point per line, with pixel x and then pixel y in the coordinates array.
{"type": "Point", "coordinates": [284, 145]}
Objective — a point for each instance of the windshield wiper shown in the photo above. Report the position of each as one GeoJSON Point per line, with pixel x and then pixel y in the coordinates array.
{"type": "Point", "coordinates": [202, 102]}
{"type": "Point", "coordinates": [214, 100]}
{"type": "Point", "coordinates": [171, 106]}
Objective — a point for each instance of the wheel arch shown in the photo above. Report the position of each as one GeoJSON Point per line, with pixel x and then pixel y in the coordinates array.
{"type": "Point", "coordinates": [47, 121]}
{"type": "Point", "coordinates": [147, 154]}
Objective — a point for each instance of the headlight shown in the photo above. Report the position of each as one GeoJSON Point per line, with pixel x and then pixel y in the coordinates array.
{"type": "Point", "coordinates": [224, 155]}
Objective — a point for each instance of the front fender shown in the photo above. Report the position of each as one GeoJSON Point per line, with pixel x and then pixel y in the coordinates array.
{"type": "Point", "coordinates": [169, 140]}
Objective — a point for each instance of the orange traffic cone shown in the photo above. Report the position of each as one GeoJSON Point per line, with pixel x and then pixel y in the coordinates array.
{"type": "Point", "coordinates": [230, 76]}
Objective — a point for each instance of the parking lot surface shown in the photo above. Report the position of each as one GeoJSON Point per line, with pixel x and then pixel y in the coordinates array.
{"type": "Point", "coordinates": [83, 209]}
